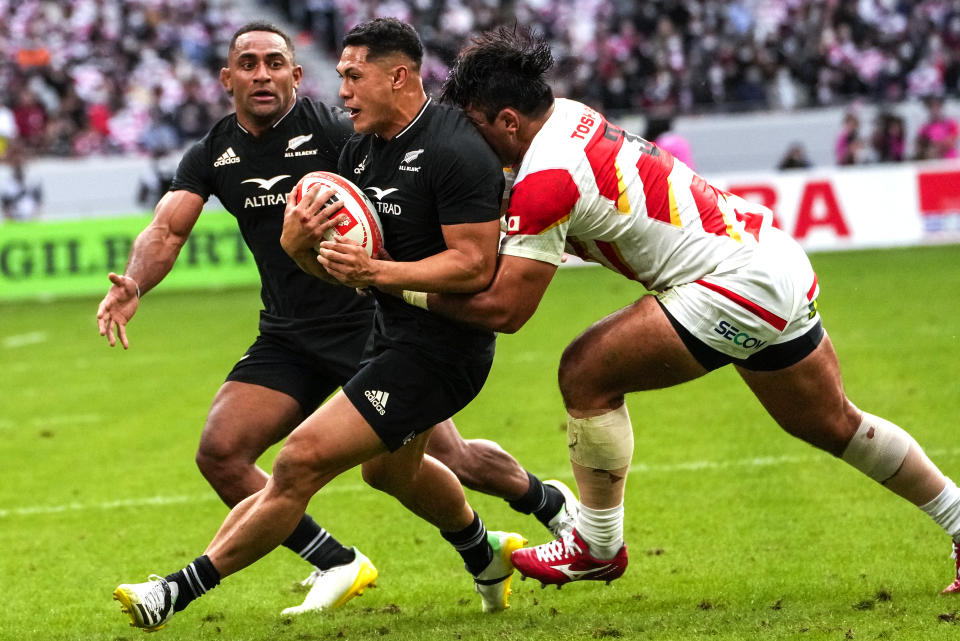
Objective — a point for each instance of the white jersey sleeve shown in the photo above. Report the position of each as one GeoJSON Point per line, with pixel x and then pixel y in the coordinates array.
{"type": "Point", "coordinates": [597, 191]}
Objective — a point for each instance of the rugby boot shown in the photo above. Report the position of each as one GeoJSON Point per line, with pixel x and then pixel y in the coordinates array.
{"type": "Point", "coordinates": [335, 586]}
{"type": "Point", "coordinates": [149, 604]}
{"type": "Point", "coordinates": [954, 587]}
{"type": "Point", "coordinates": [567, 559]}
{"type": "Point", "coordinates": [565, 519]}
{"type": "Point", "coordinates": [493, 583]}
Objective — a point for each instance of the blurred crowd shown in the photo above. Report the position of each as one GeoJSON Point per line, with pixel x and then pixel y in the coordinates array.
{"type": "Point", "coordinates": [118, 76]}
{"type": "Point", "coordinates": [685, 56]}
{"type": "Point", "coordinates": [87, 77]}
{"type": "Point", "coordinates": [935, 139]}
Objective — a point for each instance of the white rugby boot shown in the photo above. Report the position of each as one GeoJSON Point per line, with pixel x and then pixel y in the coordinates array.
{"type": "Point", "coordinates": [493, 583]}
{"type": "Point", "coordinates": [333, 587]}
{"type": "Point", "coordinates": [149, 604]}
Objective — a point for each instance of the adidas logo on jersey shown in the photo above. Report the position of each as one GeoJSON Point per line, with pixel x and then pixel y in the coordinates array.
{"type": "Point", "coordinates": [359, 168]}
{"type": "Point", "coordinates": [229, 157]}
{"type": "Point", "coordinates": [378, 399]}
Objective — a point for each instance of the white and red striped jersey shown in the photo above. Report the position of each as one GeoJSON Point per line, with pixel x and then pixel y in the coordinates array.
{"type": "Point", "coordinates": [587, 187]}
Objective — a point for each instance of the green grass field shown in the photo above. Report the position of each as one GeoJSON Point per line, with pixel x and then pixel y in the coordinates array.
{"type": "Point", "coordinates": [735, 530]}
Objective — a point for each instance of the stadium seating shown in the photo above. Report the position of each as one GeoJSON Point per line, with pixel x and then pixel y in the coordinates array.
{"type": "Point", "coordinates": [117, 76]}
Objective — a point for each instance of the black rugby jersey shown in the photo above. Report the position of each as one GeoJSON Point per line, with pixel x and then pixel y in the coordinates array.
{"type": "Point", "coordinates": [437, 171]}
{"type": "Point", "coordinates": [251, 177]}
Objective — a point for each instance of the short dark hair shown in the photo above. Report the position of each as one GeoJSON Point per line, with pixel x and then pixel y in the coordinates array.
{"type": "Point", "coordinates": [383, 36]}
{"type": "Point", "coordinates": [263, 26]}
{"type": "Point", "coordinates": [501, 68]}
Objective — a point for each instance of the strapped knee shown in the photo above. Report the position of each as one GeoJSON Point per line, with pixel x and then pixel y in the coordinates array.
{"type": "Point", "coordinates": [878, 449]}
{"type": "Point", "coordinates": [602, 442]}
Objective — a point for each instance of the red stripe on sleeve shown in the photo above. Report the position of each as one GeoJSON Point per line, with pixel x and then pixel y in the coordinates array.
{"type": "Point", "coordinates": [601, 153]}
{"type": "Point", "coordinates": [654, 171]}
{"type": "Point", "coordinates": [750, 306]}
{"type": "Point", "coordinates": [540, 201]}
{"type": "Point", "coordinates": [707, 204]}
{"type": "Point", "coordinates": [813, 288]}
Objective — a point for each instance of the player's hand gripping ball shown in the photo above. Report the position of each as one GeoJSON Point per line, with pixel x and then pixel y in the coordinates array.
{"type": "Point", "coordinates": [360, 220]}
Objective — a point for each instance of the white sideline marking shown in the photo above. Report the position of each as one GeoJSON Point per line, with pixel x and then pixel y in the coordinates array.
{"type": "Point", "coordinates": [640, 468]}
{"type": "Point", "coordinates": [53, 421]}
{"type": "Point", "coordinates": [148, 501]}
{"type": "Point", "coordinates": [109, 505]}
{"type": "Point", "coordinates": [66, 419]}
{"type": "Point", "coordinates": [760, 461]}
{"type": "Point", "coordinates": [21, 340]}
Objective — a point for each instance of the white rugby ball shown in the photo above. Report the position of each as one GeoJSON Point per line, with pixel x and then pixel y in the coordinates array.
{"type": "Point", "coordinates": [361, 224]}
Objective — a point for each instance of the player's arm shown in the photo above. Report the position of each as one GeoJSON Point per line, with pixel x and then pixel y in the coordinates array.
{"type": "Point", "coordinates": [466, 265]}
{"type": "Point", "coordinates": [507, 304]}
{"type": "Point", "coordinates": [154, 253]}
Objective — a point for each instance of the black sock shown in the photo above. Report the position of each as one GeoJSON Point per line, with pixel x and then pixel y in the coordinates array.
{"type": "Point", "coordinates": [471, 543]}
{"type": "Point", "coordinates": [317, 546]}
{"type": "Point", "coordinates": [194, 581]}
{"type": "Point", "coordinates": [543, 501]}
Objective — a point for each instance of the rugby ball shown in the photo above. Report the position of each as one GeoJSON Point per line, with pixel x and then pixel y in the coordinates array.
{"type": "Point", "coordinates": [362, 223]}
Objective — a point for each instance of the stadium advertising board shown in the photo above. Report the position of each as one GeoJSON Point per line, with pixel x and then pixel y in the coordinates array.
{"type": "Point", "coordinates": [67, 258]}
{"type": "Point", "coordinates": [851, 208]}
{"type": "Point", "coordinates": [824, 209]}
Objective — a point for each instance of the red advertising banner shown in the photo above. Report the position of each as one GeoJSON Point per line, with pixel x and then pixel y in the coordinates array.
{"type": "Point", "coordinates": [939, 201]}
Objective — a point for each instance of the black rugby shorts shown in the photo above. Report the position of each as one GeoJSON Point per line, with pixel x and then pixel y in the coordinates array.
{"type": "Point", "coordinates": [770, 358]}
{"type": "Point", "coordinates": [401, 392]}
{"type": "Point", "coordinates": [292, 363]}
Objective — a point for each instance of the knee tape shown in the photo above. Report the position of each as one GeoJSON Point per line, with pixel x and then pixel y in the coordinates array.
{"type": "Point", "coordinates": [878, 449]}
{"type": "Point", "coordinates": [602, 442]}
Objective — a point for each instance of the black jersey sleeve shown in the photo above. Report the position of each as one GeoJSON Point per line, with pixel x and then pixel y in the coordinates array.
{"type": "Point", "coordinates": [468, 178]}
{"type": "Point", "coordinates": [193, 174]}
{"type": "Point", "coordinates": [350, 156]}
{"type": "Point", "coordinates": [335, 125]}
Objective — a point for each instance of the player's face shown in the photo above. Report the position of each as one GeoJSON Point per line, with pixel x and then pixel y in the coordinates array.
{"type": "Point", "coordinates": [261, 77]}
{"type": "Point", "coordinates": [501, 139]}
{"type": "Point", "coordinates": [367, 90]}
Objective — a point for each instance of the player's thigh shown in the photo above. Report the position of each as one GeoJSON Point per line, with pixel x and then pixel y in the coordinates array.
{"type": "Point", "coordinates": [807, 398]}
{"type": "Point", "coordinates": [633, 349]}
{"type": "Point", "coordinates": [335, 438]}
{"type": "Point", "coordinates": [278, 381]}
{"type": "Point", "coordinates": [245, 419]}
{"type": "Point", "coordinates": [389, 470]}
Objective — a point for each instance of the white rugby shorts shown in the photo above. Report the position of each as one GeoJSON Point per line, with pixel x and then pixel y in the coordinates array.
{"type": "Point", "coordinates": [741, 310]}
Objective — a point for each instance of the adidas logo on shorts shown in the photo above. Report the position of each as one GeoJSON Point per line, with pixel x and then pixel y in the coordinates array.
{"type": "Point", "coordinates": [229, 157]}
{"type": "Point", "coordinates": [378, 400]}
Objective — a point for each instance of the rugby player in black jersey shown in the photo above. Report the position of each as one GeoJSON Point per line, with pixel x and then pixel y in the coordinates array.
{"type": "Point", "coordinates": [249, 160]}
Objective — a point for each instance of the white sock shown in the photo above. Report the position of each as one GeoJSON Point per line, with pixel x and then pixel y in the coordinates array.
{"type": "Point", "coordinates": [601, 530]}
{"type": "Point", "coordinates": [945, 510]}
